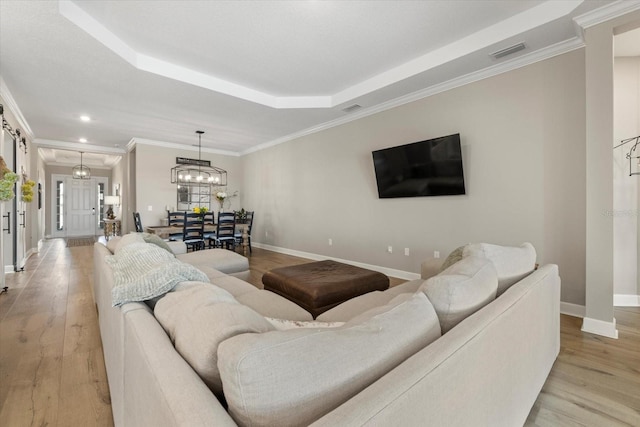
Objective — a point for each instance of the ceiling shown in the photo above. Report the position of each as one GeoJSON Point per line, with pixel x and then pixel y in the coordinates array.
{"type": "Point", "coordinates": [251, 73]}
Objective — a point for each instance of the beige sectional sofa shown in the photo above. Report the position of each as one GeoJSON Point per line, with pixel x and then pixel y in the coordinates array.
{"type": "Point", "coordinates": [217, 353]}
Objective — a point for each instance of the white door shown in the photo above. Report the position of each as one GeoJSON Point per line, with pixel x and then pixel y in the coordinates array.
{"type": "Point", "coordinates": [14, 211]}
{"type": "Point", "coordinates": [21, 209]}
{"type": "Point", "coordinates": [81, 203]}
{"type": "Point", "coordinates": [8, 213]}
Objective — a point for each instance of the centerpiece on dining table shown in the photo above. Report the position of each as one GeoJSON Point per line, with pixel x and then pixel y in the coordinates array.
{"type": "Point", "coordinates": [220, 197]}
{"type": "Point", "coordinates": [200, 210]}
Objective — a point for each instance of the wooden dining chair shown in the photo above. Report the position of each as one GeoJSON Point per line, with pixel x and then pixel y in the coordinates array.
{"type": "Point", "coordinates": [176, 219]}
{"type": "Point", "coordinates": [209, 219]}
{"type": "Point", "coordinates": [193, 231]}
{"type": "Point", "coordinates": [238, 233]}
{"type": "Point", "coordinates": [137, 222]}
{"type": "Point", "coordinates": [225, 231]}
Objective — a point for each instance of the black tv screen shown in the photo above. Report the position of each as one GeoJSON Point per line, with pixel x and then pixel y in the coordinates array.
{"type": "Point", "coordinates": [426, 168]}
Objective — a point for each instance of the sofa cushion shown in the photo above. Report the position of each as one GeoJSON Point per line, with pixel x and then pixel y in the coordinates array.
{"type": "Point", "coordinates": [142, 271]}
{"type": "Point", "coordinates": [284, 324]}
{"type": "Point", "coordinates": [198, 317]}
{"type": "Point", "coordinates": [221, 259]}
{"type": "Point", "coordinates": [356, 306]}
{"type": "Point", "coordinates": [233, 285]}
{"type": "Point", "coordinates": [127, 240]}
{"type": "Point", "coordinates": [512, 263]}
{"type": "Point", "coordinates": [461, 290]}
{"type": "Point", "coordinates": [113, 243]}
{"type": "Point", "coordinates": [273, 305]}
{"type": "Point", "coordinates": [293, 377]}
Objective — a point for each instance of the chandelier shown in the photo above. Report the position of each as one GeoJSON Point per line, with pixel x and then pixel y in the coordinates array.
{"type": "Point", "coordinates": [81, 171]}
{"type": "Point", "coordinates": [191, 171]}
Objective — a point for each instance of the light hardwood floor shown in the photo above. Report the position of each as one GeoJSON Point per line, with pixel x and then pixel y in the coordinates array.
{"type": "Point", "coordinates": [52, 370]}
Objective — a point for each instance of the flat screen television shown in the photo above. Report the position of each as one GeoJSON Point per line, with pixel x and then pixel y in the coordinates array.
{"type": "Point", "coordinates": [425, 168]}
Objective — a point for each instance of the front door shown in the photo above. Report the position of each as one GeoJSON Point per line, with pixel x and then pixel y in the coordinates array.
{"type": "Point", "coordinates": [81, 207]}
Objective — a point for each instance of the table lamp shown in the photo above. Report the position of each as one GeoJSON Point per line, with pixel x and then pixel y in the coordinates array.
{"type": "Point", "coordinates": [111, 201]}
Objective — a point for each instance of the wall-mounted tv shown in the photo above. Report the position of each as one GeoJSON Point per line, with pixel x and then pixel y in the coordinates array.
{"type": "Point", "coordinates": [426, 168]}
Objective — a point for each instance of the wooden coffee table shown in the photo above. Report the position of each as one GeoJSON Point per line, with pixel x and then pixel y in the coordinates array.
{"type": "Point", "coordinates": [319, 286]}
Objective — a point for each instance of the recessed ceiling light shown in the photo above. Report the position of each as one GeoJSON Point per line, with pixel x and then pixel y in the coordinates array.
{"type": "Point", "coordinates": [85, 118]}
{"type": "Point", "coordinates": [83, 140]}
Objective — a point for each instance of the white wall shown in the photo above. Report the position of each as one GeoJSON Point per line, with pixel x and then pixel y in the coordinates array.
{"type": "Point", "coordinates": [625, 195]}
{"type": "Point", "coordinates": [153, 187]}
{"type": "Point", "coordinates": [523, 138]}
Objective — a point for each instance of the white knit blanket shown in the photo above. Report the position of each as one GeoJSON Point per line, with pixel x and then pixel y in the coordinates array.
{"type": "Point", "coordinates": [142, 271]}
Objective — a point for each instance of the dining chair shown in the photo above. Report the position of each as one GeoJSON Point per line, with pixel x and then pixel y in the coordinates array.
{"type": "Point", "coordinates": [225, 231]}
{"type": "Point", "coordinates": [209, 219]}
{"type": "Point", "coordinates": [193, 231]}
{"type": "Point", "coordinates": [176, 219]}
{"type": "Point", "coordinates": [238, 233]}
{"type": "Point", "coordinates": [137, 222]}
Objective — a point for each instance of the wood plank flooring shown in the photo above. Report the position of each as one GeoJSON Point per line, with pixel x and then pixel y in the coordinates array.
{"type": "Point", "coordinates": [52, 370]}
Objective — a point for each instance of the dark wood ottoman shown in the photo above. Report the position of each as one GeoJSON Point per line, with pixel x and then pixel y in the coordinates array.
{"type": "Point", "coordinates": [319, 286]}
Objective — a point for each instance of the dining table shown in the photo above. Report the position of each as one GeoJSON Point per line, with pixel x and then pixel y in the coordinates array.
{"type": "Point", "coordinates": [164, 231]}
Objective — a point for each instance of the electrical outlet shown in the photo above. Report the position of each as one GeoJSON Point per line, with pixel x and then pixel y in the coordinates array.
{"type": "Point", "coordinates": [266, 233]}
{"type": "Point", "coordinates": [330, 242]}
{"type": "Point", "coordinates": [406, 251]}
{"type": "Point", "coordinates": [436, 254]}
{"type": "Point", "coordinates": [390, 249]}
{"type": "Point", "coordinates": [150, 208]}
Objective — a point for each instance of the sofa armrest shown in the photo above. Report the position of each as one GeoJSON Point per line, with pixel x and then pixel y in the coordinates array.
{"type": "Point", "coordinates": [430, 268]}
{"type": "Point", "coordinates": [177, 246]}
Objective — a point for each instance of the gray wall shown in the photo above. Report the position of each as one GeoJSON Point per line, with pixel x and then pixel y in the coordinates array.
{"type": "Point", "coordinates": [523, 138]}
{"type": "Point", "coordinates": [153, 187]}
{"type": "Point", "coordinates": [625, 194]}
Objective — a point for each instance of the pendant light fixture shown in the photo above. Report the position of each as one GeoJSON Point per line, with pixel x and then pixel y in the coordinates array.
{"type": "Point", "coordinates": [81, 171]}
{"type": "Point", "coordinates": [198, 171]}
{"type": "Point", "coordinates": [196, 179]}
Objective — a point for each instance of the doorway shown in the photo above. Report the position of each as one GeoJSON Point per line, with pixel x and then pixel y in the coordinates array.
{"type": "Point", "coordinates": [77, 206]}
{"type": "Point", "coordinates": [14, 220]}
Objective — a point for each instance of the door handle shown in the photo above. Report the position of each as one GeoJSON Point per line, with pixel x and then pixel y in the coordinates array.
{"type": "Point", "coordinates": [93, 211]}
{"type": "Point", "coordinates": [23, 215]}
{"type": "Point", "coordinates": [8, 216]}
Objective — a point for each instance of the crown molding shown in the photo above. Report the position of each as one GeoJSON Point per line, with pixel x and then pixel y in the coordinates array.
{"type": "Point", "coordinates": [606, 13]}
{"type": "Point", "coordinates": [12, 106]}
{"type": "Point", "coordinates": [73, 146]}
{"type": "Point", "coordinates": [494, 70]}
{"type": "Point", "coordinates": [540, 14]}
{"type": "Point", "coordinates": [135, 141]}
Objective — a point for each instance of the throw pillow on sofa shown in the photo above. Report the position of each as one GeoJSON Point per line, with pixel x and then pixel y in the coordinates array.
{"type": "Point", "coordinates": [294, 377]}
{"type": "Point", "coordinates": [154, 239]}
{"type": "Point", "coordinates": [461, 290]}
{"type": "Point", "coordinates": [198, 317]}
{"type": "Point", "coordinates": [512, 263]}
{"type": "Point", "coordinates": [126, 240]}
{"type": "Point", "coordinates": [455, 256]}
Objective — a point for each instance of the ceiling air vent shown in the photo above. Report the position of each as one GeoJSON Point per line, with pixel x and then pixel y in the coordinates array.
{"type": "Point", "coordinates": [351, 108]}
{"type": "Point", "coordinates": [507, 51]}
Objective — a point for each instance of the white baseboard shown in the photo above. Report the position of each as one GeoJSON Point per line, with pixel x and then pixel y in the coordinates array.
{"type": "Point", "coordinates": [574, 310]}
{"type": "Point", "coordinates": [600, 327]}
{"type": "Point", "coordinates": [8, 269]}
{"type": "Point", "coordinates": [622, 300]}
{"type": "Point", "coordinates": [406, 275]}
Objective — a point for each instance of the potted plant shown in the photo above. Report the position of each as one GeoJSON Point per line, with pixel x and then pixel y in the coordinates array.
{"type": "Point", "coordinates": [241, 216]}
